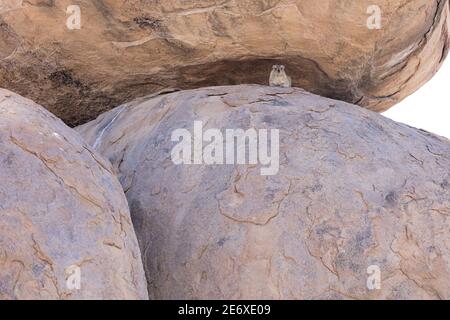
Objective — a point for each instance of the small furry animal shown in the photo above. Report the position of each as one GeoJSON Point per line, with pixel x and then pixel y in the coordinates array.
{"type": "Point", "coordinates": [278, 77]}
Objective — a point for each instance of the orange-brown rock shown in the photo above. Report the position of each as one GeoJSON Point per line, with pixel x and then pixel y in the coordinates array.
{"type": "Point", "coordinates": [65, 228]}
{"type": "Point", "coordinates": [126, 49]}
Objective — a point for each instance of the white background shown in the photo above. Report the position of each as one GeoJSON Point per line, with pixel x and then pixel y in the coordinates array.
{"type": "Point", "coordinates": [429, 107]}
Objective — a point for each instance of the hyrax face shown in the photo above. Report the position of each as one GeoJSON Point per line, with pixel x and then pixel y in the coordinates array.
{"type": "Point", "coordinates": [279, 68]}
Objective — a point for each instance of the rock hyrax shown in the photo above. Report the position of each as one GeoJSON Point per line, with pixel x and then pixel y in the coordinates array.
{"type": "Point", "coordinates": [278, 77]}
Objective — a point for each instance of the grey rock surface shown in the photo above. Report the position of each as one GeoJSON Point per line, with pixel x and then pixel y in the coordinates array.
{"type": "Point", "coordinates": [355, 191]}
{"type": "Point", "coordinates": [65, 227]}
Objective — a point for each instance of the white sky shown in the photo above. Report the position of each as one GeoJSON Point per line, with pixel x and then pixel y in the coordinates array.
{"type": "Point", "coordinates": [429, 107]}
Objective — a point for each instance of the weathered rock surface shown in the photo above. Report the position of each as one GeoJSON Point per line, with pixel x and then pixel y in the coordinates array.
{"type": "Point", "coordinates": [126, 49]}
{"type": "Point", "coordinates": [61, 208]}
{"type": "Point", "coordinates": [354, 190]}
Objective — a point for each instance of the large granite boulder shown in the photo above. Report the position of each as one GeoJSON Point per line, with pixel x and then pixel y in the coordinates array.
{"type": "Point", "coordinates": [126, 49]}
{"type": "Point", "coordinates": [355, 193]}
{"type": "Point", "coordinates": [65, 228]}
